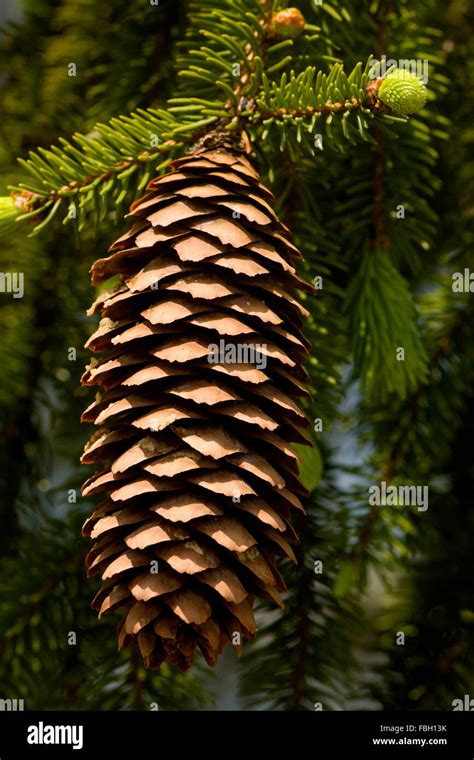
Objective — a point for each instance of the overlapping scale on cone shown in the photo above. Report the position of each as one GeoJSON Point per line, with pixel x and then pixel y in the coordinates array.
{"type": "Point", "coordinates": [199, 358]}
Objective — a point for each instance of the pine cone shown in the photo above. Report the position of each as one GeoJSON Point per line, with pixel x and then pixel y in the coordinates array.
{"type": "Point", "coordinates": [201, 357]}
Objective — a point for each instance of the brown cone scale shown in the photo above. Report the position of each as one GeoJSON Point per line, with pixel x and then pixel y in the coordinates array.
{"type": "Point", "coordinates": [197, 478]}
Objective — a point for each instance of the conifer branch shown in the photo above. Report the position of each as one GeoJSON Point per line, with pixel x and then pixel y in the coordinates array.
{"type": "Point", "coordinates": [114, 162]}
{"type": "Point", "coordinates": [442, 348]}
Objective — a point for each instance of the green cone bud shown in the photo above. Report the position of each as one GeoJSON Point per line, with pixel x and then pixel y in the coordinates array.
{"type": "Point", "coordinates": [403, 92]}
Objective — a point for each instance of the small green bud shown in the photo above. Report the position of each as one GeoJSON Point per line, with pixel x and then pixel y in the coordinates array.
{"type": "Point", "coordinates": [403, 92]}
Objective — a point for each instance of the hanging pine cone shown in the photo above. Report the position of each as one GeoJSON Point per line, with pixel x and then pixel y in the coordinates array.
{"type": "Point", "coordinates": [201, 357]}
